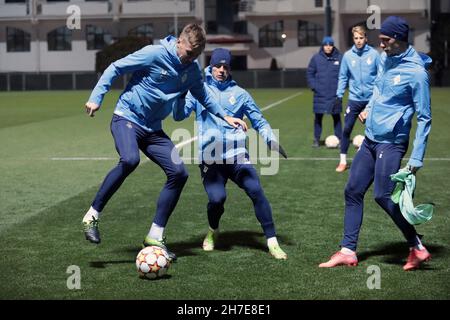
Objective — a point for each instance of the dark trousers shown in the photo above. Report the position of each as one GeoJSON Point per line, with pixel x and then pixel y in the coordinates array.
{"type": "Point", "coordinates": [318, 125]}
{"type": "Point", "coordinates": [129, 138]}
{"type": "Point", "coordinates": [374, 163]}
{"type": "Point", "coordinates": [354, 108]}
{"type": "Point", "coordinates": [215, 177]}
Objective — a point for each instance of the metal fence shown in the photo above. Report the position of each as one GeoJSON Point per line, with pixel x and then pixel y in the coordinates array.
{"type": "Point", "coordinates": [87, 80]}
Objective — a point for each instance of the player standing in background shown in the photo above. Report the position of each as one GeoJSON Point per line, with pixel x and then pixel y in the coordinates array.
{"type": "Point", "coordinates": [322, 75]}
{"type": "Point", "coordinates": [223, 155]}
{"type": "Point", "coordinates": [402, 88]}
{"type": "Point", "coordinates": [161, 75]}
{"type": "Point", "coordinates": [358, 71]}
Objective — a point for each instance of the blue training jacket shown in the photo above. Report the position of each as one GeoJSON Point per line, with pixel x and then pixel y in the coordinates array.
{"type": "Point", "coordinates": [402, 88]}
{"type": "Point", "coordinates": [218, 141]}
{"type": "Point", "coordinates": [358, 71]}
{"type": "Point", "coordinates": [158, 79]}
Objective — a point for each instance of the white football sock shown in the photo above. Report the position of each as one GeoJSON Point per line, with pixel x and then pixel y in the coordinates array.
{"type": "Point", "coordinates": [419, 245]}
{"type": "Point", "coordinates": [92, 213]}
{"type": "Point", "coordinates": [347, 251]}
{"type": "Point", "coordinates": [343, 158]}
{"type": "Point", "coordinates": [271, 242]}
{"type": "Point", "coordinates": [156, 232]}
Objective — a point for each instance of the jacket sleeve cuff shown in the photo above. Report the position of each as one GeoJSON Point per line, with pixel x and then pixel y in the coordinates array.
{"type": "Point", "coordinates": [415, 163]}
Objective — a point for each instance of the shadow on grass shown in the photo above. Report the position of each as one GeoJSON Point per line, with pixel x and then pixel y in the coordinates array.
{"type": "Point", "coordinates": [102, 264]}
{"type": "Point", "coordinates": [396, 253]}
{"type": "Point", "coordinates": [226, 241]}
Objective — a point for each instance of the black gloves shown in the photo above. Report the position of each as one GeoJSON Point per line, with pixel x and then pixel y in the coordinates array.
{"type": "Point", "coordinates": [275, 146]}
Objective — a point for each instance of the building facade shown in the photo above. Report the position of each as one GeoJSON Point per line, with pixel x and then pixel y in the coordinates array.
{"type": "Point", "coordinates": [64, 35]}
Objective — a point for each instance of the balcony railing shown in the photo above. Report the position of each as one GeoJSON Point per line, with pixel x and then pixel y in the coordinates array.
{"type": "Point", "coordinates": [158, 7]}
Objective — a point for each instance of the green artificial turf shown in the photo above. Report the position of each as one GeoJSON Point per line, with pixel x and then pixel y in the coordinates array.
{"type": "Point", "coordinates": [53, 158]}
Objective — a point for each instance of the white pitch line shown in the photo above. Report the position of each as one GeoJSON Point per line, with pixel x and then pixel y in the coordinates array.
{"type": "Point", "coordinates": [186, 159]}
{"type": "Point", "coordinates": [281, 101]}
{"type": "Point", "coordinates": [82, 158]}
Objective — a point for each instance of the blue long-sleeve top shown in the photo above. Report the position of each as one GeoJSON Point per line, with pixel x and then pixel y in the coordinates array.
{"type": "Point", "coordinates": [218, 141]}
{"type": "Point", "coordinates": [358, 71]}
{"type": "Point", "coordinates": [402, 88]}
{"type": "Point", "coordinates": [158, 79]}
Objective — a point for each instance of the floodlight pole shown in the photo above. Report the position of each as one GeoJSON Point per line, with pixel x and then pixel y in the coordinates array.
{"type": "Point", "coordinates": [175, 20]}
{"type": "Point", "coordinates": [328, 19]}
{"type": "Point", "coordinates": [283, 39]}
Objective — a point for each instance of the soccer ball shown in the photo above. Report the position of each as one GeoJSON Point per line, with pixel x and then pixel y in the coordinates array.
{"type": "Point", "coordinates": [358, 140]}
{"type": "Point", "coordinates": [152, 262]}
{"type": "Point", "coordinates": [332, 142]}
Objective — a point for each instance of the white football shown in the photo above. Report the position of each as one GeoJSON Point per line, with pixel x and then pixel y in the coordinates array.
{"type": "Point", "coordinates": [332, 142]}
{"type": "Point", "coordinates": [152, 262]}
{"type": "Point", "coordinates": [358, 140]}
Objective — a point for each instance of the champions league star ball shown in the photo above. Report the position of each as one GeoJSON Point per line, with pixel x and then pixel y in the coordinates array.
{"type": "Point", "coordinates": [358, 140]}
{"type": "Point", "coordinates": [152, 262]}
{"type": "Point", "coordinates": [332, 142]}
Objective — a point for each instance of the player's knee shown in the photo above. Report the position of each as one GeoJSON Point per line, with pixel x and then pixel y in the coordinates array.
{"type": "Point", "coordinates": [381, 198]}
{"type": "Point", "coordinates": [353, 191]}
{"type": "Point", "coordinates": [130, 162]}
{"type": "Point", "coordinates": [180, 175]}
{"type": "Point", "coordinates": [254, 191]}
{"type": "Point", "coordinates": [217, 199]}
{"type": "Point", "coordinates": [346, 132]}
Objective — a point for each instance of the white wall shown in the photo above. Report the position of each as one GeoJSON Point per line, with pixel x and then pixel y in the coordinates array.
{"type": "Point", "coordinates": [79, 59]}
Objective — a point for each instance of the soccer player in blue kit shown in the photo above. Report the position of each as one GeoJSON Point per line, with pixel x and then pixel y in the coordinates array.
{"type": "Point", "coordinates": [402, 89]}
{"type": "Point", "coordinates": [162, 74]}
{"type": "Point", "coordinates": [222, 151]}
{"type": "Point", "coordinates": [358, 71]}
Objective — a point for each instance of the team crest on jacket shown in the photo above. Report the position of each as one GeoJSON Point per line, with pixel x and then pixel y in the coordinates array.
{"type": "Point", "coordinates": [353, 63]}
{"type": "Point", "coordinates": [397, 79]}
{"type": "Point", "coordinates": [369, 61]}
{"type": "Point", "coordinates": [336, 63]}
{"type": "Point", "coordinates": [164, 74]}
{"type": "Point", "coordinates": [232, 100]}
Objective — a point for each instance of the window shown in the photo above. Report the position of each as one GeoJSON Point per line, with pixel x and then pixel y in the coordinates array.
{"type": "Point", "coordinates": [96, 38]}
{"type": "Point", "coordinates": [309, 34]}
{"type": "Point", "coordinates": [270, 35]}
{"type": "Point", "coordinates": [17, 40]}
{"type": "Point", "coordinates": [145, 30]}
{"type": "Point", "coordinates": [59, 39]}
{"type": "Point", "coordinates": [318, 3]}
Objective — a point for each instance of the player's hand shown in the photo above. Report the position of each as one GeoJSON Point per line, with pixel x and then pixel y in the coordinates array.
{"type": "Point", "coordinates": [412, 169]}
{"type": "Point", "coordinates": [235, 122]}
{"type": "Point", "coordinates": [91, 108]}
{"type": "Point", "coordinates": [362, 116]}
{"type": "Point", "coordinates": [275, 146]}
